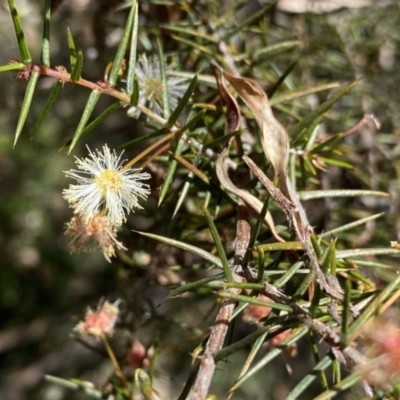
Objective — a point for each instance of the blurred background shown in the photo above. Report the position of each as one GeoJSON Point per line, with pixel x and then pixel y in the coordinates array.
{"type": "Point", "coordinates": [45, 290]}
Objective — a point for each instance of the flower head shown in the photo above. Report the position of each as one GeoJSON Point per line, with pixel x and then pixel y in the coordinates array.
{"type": "Point", "coordinates": [89, 232]}
{"type": "Point", "coordinates": [100, 322]}
{"type": "Point", "coordinates": [253, 313]}
{"type": "Point", "coordinates": [137, 356]}
{"type": "Point", "coordinates": [151, 86]}
{"type": "Point", "coordinates": [104, 184]}
{"type": "Point", "coordinates": [382, 347]}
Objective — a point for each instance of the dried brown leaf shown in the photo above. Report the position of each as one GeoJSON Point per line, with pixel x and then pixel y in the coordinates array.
{"type": "Point", "coordinates": [289, 201]}
{"type": "Point", "coordinates": [276, 146]}
{"type": "Point", "coordinates": [274, 138]}
{"type": "Point", "coordinates": [244, 195]}
{"type": "Point", "coordinates": [232, 107]}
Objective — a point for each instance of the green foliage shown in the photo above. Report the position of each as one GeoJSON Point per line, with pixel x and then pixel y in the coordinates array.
{"type": "Point", "coordinates": [321, 274]}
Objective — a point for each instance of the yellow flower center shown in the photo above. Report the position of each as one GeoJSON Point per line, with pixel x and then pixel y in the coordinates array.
{"type": "Point", "coordinates": [154, 89]}
{"type": "Point", "coordinates": [109, 179]}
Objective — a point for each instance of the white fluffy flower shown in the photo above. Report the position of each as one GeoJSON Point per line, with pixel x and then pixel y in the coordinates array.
{"type": "Point", "coordinates": [104, 184]}
{"type": "Point", "coordinates": [151, 87]}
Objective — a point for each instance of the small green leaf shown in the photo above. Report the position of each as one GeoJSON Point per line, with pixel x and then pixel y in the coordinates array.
{"type": "Point", "coordinates": [104, 115]}
{"type": "Point", "coordinates": [77, 70]}
{"type": "Point", "coordinates": [369, 264]}
{"type": "Point", "coordinates": [163, 75]}
{"type": "Point", "coordinates": [288, 96]}
{"type": "Point", "coordinates": [309, 118]}
{"type": "Point", "coordinates": [186, 185]}
{"type": "Point", "coordinates": [366, 252]}
{"type": "Point", "coordinates": [13, 67]}
{"type": "Point", "coordinates": [309, 378]}
{"type": "Point", "coordinates": [271, 91]}
{"type": "Point", "coordinates": [222, 139]}
{"type": "Point", "coordinates": [241, 344]}
{"type": "Point", "coordinates": [219, 246]}
{"type": "Point", "coordinates": [351, 225]}
{"type": "Point", "coordinates": [329, 263]}
{"type": "Point", "coordinates": [254, 234]}
{"type": "Point", "coordinates": [256, 346]}
{"type": "Point", "coordinates": [310, 133]}
{"type": "Point", "coordinates": [257, 302]}
{"type": "Point", "coordinates": [71, 48]}
{"type": "Point", "coordinates": [87, 112]}
{"type": "Point", "coordinates": [134, 100]}
{"type": "Point", "coordinates": [280, 246]}
{"type": "Point", "coordinates": [344, 337]}
{"type": "Point", "coordinates": [193, 285]}
{"type": "Point", "coordinates": [289, 273]}
{"type": "Point", "coordinates": [292, 338]}
{"type": "Point", "coordinates": [304, 285]}
{"type": "Point", "coordinates": [260, 13]}
{"type": "Point", "coordinates": [275, 49]}
{"type": "Point", "coordinates": [23, 47]}
{"type": "Point", "coordinates": [336, 371]}
{"type": "Point", "coordinates": [189, 31]}
{"type": "Point", "coordinates": [30, 90]}
{"type": "Point", "coordinates": [52, 98]}
{"type": "Point", "coordinates": [77, 385]}
{"type": "Point", "coordinates": [184, 192]}
{"type": "Point", "coordinates": [315, 350]}
{"type": "Point", "coordinates": [359, 277]}
{"type": "Point", "coordinates": [143, 381]}
{"type": "Point", "coordinates": [131, 83]}
{"type": "Point", "coordinates": [373, 306]}
{"type": "Point", "coordinates": [337, 163]}
{"type": "Point", "coordinates": [196, 46]}
{"type": "Point", "coordinates": [119, 57]}
{"type": "Point", "coordinates": [309, 166]}
{"type": "Point", "coordinates": [192, 122]}
{"type": "Point", "coordinates": [185, 246]}
{"type": "Point", "coordinates": [183, 102]}
{"type": "Point", "coordinates": [171, 171]}
{"type": "Point", "coordinates": [45, 55]}
{"type": "Point", "coordinates": [343, 385]}
{"type": "Point", "coordinates": [321, 194]}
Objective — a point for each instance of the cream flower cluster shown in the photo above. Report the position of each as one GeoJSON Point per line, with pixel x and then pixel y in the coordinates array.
{"type": "Point", "coordinates": [151, 87]}
{"type": "Point", "coordinates": [104, 194]}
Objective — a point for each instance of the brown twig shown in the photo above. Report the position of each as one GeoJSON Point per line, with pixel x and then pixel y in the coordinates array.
{"type": "Point", "coordinates": [288, 200]}
{"type": "Point", "coordinates": [367, 119]}
{"type": "Point", "coordinates": [102, 87]}
{"type": "Point", "coordinates": [219, 330]}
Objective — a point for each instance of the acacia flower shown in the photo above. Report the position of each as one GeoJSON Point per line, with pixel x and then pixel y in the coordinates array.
{"type": "Point", "coordinates": [151, 86]}
{"type": "Point", "coordinates": [253, 313]}
{"type": "Point", "coordinates": [104, 185]}
{"type": "Point", "coordinates": [96, 230]}
{"type": "Point", "coordinates": [382, 347]}
{"type": "Point", "coordinates": [100, 322]}
{"type": "Point", "coordinates": [137, 356]}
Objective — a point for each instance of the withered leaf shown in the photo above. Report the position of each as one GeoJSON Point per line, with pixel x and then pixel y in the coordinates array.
{"type": "Point", "coordinates": [274, 138]}
{"type": "Point", "coordinates": [244, 195]}
{"type": "Point", "coordinates": [289, 201]}
{"type": "Point", "coordinates": [232, 107]}
{"type": "Point", "coordinates": [276, 146]}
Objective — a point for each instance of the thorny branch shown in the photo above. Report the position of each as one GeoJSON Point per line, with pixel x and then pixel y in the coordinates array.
{"type": "Point", "coordinates": [299, 222]}
{"type": "Point", "coordinates": [219, 330]}
{"type": "Point", "coordinates": [102, 87]}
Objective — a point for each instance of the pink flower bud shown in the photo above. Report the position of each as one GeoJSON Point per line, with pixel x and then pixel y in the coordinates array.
{"type": "Point", "coordinates": [99, 322]}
